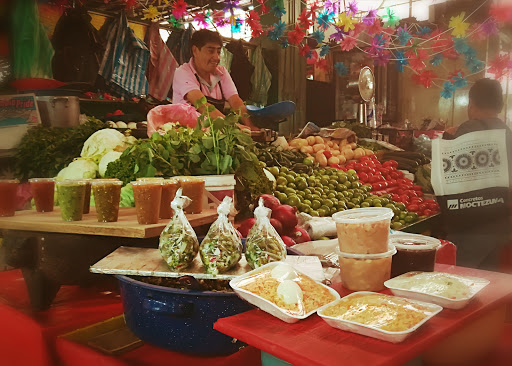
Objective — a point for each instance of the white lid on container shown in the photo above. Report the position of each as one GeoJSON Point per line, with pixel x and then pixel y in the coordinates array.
{"type": "Point", "coordinates": [391, 251]}
{"type": "Point", "coordinates": [416, 242]}
{"type": "Point", "coordinates": [363, 215]}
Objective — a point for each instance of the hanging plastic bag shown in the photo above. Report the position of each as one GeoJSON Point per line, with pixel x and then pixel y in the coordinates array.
{"type": "Point", "coordinates": [263, 245]}
{"type": "Point", "coordinates": [221, 249]}
{"type": "Point", "coordinates": [178, 242]}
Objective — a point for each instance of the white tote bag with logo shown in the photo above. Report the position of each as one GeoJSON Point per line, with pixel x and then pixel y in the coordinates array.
{"type": "Point", "coordinates": [474, 162]}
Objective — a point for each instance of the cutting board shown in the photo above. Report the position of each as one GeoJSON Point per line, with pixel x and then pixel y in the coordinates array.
{"type": "Point", "coordinates": [126, 226]}
{"type": "Point", "coordinates": [148, 262]}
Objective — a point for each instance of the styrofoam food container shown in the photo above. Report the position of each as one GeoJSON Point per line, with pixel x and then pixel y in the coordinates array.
{"type": "Point", "coordinates": [374, 332]}
{"type": "Point", "coordinates": [266, 305]}
{"type": "Point", "coordinates": [475, 284]}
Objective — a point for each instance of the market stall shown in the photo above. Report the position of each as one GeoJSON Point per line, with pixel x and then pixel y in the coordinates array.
{"type": "Point", "coordinates": [147, 229]}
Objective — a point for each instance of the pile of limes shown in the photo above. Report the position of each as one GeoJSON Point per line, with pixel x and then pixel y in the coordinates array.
{"type": "Point", "coordinates": [330, 190]}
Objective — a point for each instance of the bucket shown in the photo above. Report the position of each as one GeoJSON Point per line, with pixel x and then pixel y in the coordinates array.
{"type": "Point", "coordinates": [59, 111]}
{"type": "Point", "coordinates": [217, 187]}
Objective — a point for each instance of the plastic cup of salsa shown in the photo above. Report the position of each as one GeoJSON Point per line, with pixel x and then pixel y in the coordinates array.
{"type": "Point", "coordinates": [193, 188]}
{"type": "Point", "coordinates": [43, 190]}
{"type": "Point", "coordinates": [71, 196]}
{"type": "Point", "coordinates": [365, 272]}
{"type": "Point", "coordinates": [147, 195]}
{"type": "Point", "coordinates": [8, 188]}
{"type": "Point", "coordinates": [413, 253]}
{"type": "Point", "coordinates": [87, 198]}
{"type": "Point", "coordinates": [169, 188]}
{"type": "Point", "coordinates": [363, 230]}
{"type": "Point", "coordinates": [107, 194]}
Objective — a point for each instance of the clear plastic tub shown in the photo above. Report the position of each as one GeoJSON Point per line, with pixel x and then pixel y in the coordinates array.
{"type": "Point", "coordinates": [107, 194]}
{"type": "Point", "coordinates": [314, 292]}
{"type": "Point", "coordinates": [147, 195]}
{"type": "Point", "coordinates": [413, 253]}
{"type": "Point", "coordinates": [404, 319]}
{"type": "Point", "coordinates": [71, 196]}
{"type": "Point", "coordinates": [363, 230]}
{"type": "Point", "coordinates": [430, 287]}
{"type": "Point", "coordinates": [365, 272]}
{"type": "Point", "coordinates": [193, 188]}
{"type": "Point", "coordinates": [43, 190]}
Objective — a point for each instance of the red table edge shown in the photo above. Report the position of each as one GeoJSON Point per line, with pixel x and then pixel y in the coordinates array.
{"type": "Point", "coordinates": [284, 355]}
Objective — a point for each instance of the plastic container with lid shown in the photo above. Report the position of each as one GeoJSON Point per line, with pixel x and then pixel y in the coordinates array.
{"type": "Point", "coordinates": [193, 188]}
{"type": "Point", "coordinates": [169, 188]}
{"type": "Point", "coordinates": [43, 190]}
{"type": "Point", "coordinates": [107, 194]}
{"type": "Point", "coordinates": [365, 272]}
{"type": "Point", "coordinates": [8, 189]}
{"type": "Point", "coordinates": [71, 196]}
{"type": "Point", "coordinates": [147, 195]}
{"type": "Point", "coordinates": [413, 253]}
{"type": "Point", "coordinates": [363, 230]}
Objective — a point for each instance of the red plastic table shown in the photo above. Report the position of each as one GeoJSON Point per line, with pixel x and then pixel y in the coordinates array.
{"type": "Point", "coordinates": [312, 342]}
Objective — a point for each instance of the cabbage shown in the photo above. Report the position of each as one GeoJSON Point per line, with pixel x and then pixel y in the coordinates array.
{"type": "Point", "coordinates": [79, 169]}
{"type": "Point", "coordinates": [102, 142]}
{"type": "Point", "coordinates": [106, 159]}
{"type": "Point", "coordinates": [127, 199]}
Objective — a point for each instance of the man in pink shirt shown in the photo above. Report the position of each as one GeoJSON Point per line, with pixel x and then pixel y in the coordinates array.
{"type": "Point", "coordinates": [203, 77]}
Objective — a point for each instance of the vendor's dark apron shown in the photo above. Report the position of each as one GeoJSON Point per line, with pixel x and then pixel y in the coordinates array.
{"type": "Point", "coordinates": [220, 104]}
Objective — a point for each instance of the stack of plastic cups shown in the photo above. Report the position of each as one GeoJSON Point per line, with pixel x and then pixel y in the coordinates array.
{"type": "Point", "coordinates": [364, 250]}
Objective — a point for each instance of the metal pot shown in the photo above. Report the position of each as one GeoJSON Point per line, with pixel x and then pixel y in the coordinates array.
{"type": "Point", "coordinates": [59, 111]}
{"type": "Point", "coordinates": [180, 320]}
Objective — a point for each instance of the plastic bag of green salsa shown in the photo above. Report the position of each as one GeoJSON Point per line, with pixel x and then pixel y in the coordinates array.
{"type": "Point", "coordinates": [263, 245]}
{"type": "Point", "coordinates": [178, 241]}
{"type": "Point", "coordinates": [221, 248]}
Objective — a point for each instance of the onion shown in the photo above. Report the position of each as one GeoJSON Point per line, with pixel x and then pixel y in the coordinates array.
{"type": "Point", "coordinates": [246, 226]}
{"type": "Point", "coordinates": [299, 235]}
{"type": "Point", "coordinates": [269, 201]}
{"type": "Point", "coordinates": [288, 241]}
{"type": "Point", "coordinates": [277, 225]}
{"type": "Point", "coordinates": [286, 215]}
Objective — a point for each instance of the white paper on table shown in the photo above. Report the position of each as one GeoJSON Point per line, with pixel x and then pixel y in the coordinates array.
{"type": "Point", "coordinates": [473, 161]}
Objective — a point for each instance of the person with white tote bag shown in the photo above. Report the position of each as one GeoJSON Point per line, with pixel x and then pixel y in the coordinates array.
{"type": "Point", "coordinates": [471, 177]}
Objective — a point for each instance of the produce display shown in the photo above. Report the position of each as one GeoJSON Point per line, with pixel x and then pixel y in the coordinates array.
{"type": "Point", "coordinates": [291, 291]}
{"type": "Point", "coordinates": [44, 151]}
{"type": "Point", "coordinates": [329, 190]}
{"type": "Point", "coordinates": [389, 313]}
{"type": "Point", "coordinates": [329, 152]}
{"type": "Point", "coordinates": [221, 249]}
{"type": "Point", "coordinates": [263, 244]}
{"type": "Point", "coordinates": [178, 241]}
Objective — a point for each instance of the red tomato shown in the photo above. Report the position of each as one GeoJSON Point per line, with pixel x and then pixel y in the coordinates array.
{"type": "Point", "coordinates": [429, 200]}
{"type": "Point", "coordinates": [417, 199]}
{"type": "Point", "coordinates": [392, 183]}
{"type": "Point", "coordinates": [394, 175]}
{"type": "Point", "coordinates": [363, 176]}
{"type": "Point", "coordinates": [387, 177]}
{"type": "Point", "coordinates": [327, 154]}
{"type": "Point", "coordinates": [412, 193]}
{"type": "Point", "coordinates": [395, 197]}
{"type": "Point", "coordinates": [431, 206]}
{"type": "Point", "coordinates": [423, 207]}
{"type": "Point", "coordinates": [400, 174]}
{"type": "Point", "coordinates": [376, 186]}
{"type": "Point", "coordinates": [416, 187]}
{"type": "Point", "coordinates": [428, 212]}
{"type": "Point", "coordinates": [413, 207]}
{"type": "Point", "coordinates": [336, 166]}
{"type": "Point", "coordinates": [404, 198]}
{"type": "Point", "coordinates": [364, 159]}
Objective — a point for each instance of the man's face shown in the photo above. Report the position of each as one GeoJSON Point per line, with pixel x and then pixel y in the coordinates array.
{"type": "Point", "coordinates": [207, 57]}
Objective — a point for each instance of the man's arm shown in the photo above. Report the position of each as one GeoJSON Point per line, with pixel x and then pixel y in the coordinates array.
{"type": "Point", "coordinates": [194, 95]}
{"type": "Point", "coordinates": [238, 106]}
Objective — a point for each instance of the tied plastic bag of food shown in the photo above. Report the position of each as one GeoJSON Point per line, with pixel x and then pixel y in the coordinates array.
{"type": "Point", "coordinates": [178, 242]}
{"type": "Point", "coordinates": [221, 249]}
{"type": "Point", "coordinates": [263, 245]}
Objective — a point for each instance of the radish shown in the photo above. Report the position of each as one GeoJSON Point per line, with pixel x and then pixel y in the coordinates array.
{"type": "Point", "coordinates": [245, 226]}
{"type": "Point", "coordinates": [277, 225]}
{"type": "Point", "coordinates": [300, 235]}
{"type": "Point", "coordinates": [286, 215]}
{"type": "Point", "coordinates": [288, 241]}
{"type": "Point", "coordinates": [270, 201]}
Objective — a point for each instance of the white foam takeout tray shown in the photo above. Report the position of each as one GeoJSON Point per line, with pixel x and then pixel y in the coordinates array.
{"type": "Point", "coordinates": [475, 284]}
{"type": "Point", "coordinates": [266, 305]}
{"type": "Point", "coordinates": [374, 332]}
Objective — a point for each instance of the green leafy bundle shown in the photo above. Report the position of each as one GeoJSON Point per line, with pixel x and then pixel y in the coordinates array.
{"type": "Point", "coordinates": [44, 151]}
{"type": "Point", "coordinates": [216, 146]}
